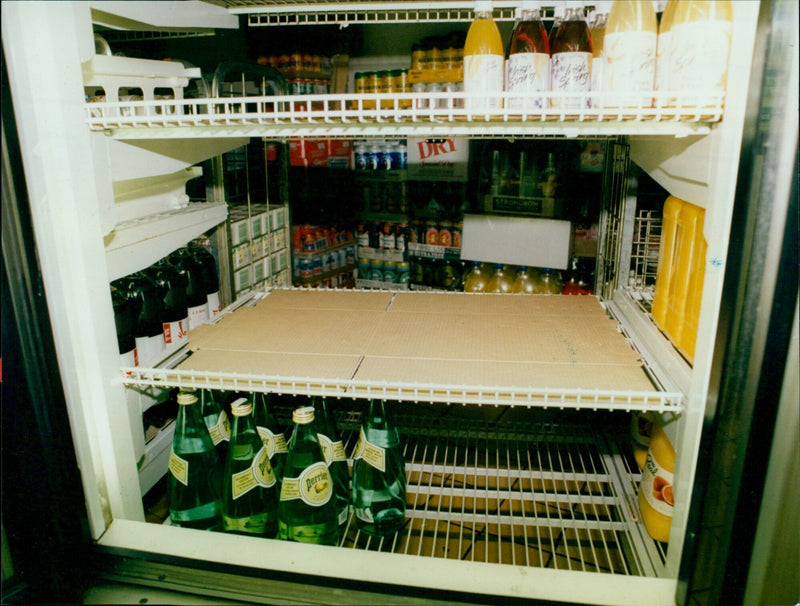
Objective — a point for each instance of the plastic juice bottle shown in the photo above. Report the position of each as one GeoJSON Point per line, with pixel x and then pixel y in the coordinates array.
{"type": "Point", "coordinates": [483, 59]}
{"type": "Point", "coordinates": [500, 282]}
{"type": "Point", "coordinates": [476, 279]}
{"type": "Point", "coordinates": [666, 260]}
{"type": "Point", "coordinates": [571, 60]}
{"type": "Point", "coordinates": [525, 282]}
{"type": "Point", "coordinates": [700, 45]}
{"type": "Point", "coordinates": [655, 488]}
{"type": "Point", "coordinates": [630, 49]}
{"type": "Point", "coordinates": [641, 430]}
{"type": "Point", "coordinates": [691, 322]}
{"type": "Point", "coordinates": [689, 242]}
{"type": "Point", "coordinates": [598, 34]}
{"type": "Point", "coordinates": [663, 49]}
{"type": "Point", "coordinates": [550, 282]}
{"type": "Point", "coordinates": [528, 59]}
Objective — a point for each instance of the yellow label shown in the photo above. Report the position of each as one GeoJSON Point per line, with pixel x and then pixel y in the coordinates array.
{"type": "Point", "coordinates": [339, 453]}
{"type": "Point", "coordinates": [262, 470]}
{"type": "Point", "coordinates": [216, 434]}
{"type": "Point", "coordinates": [225, 426]}
{"type": "Point", "coordinates": [327, 447]}
{"type": "Point", "coordinates": [280, 443]}
{"type": "Point", "coordinates": [268, 438]}
{"type": "Point", "coordinates": [372, 454]}
{"type": "Point", "coordinates": [243, 482]}
{"type": "Point", "coordinates": [179, 468]}
{"type": "Point", "coordinates": [316, 487]}
{"type": "Point", "coordinates": [359, 449]}
{"type": "Point", "coordinates": [290, 489]}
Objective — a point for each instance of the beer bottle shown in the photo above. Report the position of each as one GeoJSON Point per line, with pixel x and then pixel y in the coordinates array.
{"type": "Point", "coordinates": [192, 491]}
{"type": "Point", "coordinates": [194, 273]}
{"type": "Point", "coordinates": [216, 420]}
{"type": "Point", "coordinates": [379, 477]}
{"type": "Point", "coordinates": [250, 501]}
{"type": "Point", "coordinates": [335, 457]}
{"type": "Point", "coordinates": [307, 509]}
{"type": "Point", "coordinates": [267, 428]}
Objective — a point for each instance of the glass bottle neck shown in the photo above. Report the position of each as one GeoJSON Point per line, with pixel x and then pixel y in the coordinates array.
{"type": "Point", "coordinates": [483, 15]}
{"type": "Point", "coordinates": [573, 14]}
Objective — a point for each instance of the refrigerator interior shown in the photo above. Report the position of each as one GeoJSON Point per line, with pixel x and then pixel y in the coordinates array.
{"type": "Point", "coordinates": [522, 491]}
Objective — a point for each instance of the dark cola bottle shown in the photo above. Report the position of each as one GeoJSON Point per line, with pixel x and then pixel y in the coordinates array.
{"type": "Point", "coordinates": [196, 300]}
{"type": "Point", "coordinates": [148, 329]}
{"type": "Point", "coordinates": [210, 278]}
{"type": "Point", "coordinates": [124, 321]}
{"type": "Point", "coordinates": [172, 288]}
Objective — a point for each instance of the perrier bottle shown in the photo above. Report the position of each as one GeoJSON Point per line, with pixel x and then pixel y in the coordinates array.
{"type": "Point", "coordinates": [273, 439]}
{"type": "Point", "coordinates": [379, 477]}
{"type": "Point", "coordinates": [307, 509]}
{"type": "Point", "coordinates": [250, 494]}
{"type": "Point", "coordinates": [192, 489]}
{"type": "Point", "coordinates": [335, 457]}
{"type": "Point", "coordinates": [216, 420]}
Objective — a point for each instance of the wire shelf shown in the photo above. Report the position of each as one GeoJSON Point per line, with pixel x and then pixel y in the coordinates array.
{"type": "Point", "coordinates": [406, 114]}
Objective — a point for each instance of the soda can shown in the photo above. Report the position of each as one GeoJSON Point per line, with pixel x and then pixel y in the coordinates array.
{"type": "Point", "coordinates": [376, 270]}
{"type": "Point", "coordinates": [436, 87]}
{"type": "Point", "coordinates": [374, 158]}
{"type": "Point", "coordinates": [361, 161]}
{"type": "Point", "coordinates": [363, 269]}
{"type": "Point", "coordinates": [403, 272]}
{"type": "Point", "coordinates": [422, 102]}
{"type": "Point", "coordinates": [390, 271]}
{"type": "Point", "coordinates": [386, 161]}
{"type": "Point", "coordinates": [400, 156]}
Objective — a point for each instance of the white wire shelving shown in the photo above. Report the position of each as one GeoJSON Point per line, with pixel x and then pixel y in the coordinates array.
{"type": "Point", "coordinates": [401, 115]}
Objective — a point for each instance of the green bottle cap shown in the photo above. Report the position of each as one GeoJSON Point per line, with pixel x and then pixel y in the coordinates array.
{"type": "Point", "coordinates": [241, 408]}
{"type": "Point", "coordinates": [186, 398]}
{"type": "Point", "coordinates": [303, 415]}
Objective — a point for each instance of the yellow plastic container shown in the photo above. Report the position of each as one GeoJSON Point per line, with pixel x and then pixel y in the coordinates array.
{"type": "Point", "coordinates": [641, 428]}
{"type": "Point", "coordinates": [656, 498]}
{"type": "Point", "coordinates": [689, 336]}
{"type": "Point", "coordinates": [666, 264]}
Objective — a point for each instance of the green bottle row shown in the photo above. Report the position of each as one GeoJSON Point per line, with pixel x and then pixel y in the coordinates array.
{"type": "Point", "coordinates": [239, 475]}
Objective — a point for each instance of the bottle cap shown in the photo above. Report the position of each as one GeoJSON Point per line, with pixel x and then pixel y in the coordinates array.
{"type": "Point", "coordinates": [241, 408]}
{"type": "Point", "coordinates": [303, 415]}
{"type": "Point", "coordinates": [483, 6]}
{"type": "Point", "coordinates": [186, 398]}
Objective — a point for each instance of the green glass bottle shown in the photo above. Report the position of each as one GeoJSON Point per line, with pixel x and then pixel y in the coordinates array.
{"type": "Point", "coordinates": [335, 457]}
{"type": "Point", "coordinates": [250, 494]}
{"type": "Point", "coordinates": [192, 488]}
{"type": "Point", "coordinates": [273, 439]}
{"type": "Point", "coordinates": [379, 477]}
{"type": "Point", "coordinates": [307, 508]}
{"type": "Point", "coordinates": [216, 420]}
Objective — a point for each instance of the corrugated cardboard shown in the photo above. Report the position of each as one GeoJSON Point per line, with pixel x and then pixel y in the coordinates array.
{"type": "Point", "coordinates": [507, 341]}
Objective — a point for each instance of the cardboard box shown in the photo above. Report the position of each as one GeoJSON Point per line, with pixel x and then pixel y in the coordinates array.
{"type": "Point", "coordinates": [517, 240]}
{"type": "Point", "coordinates": [438, 159]}
{"type": "Point", "coordinates": [320, 153]}
{"type": "Point", "coordinates": [584, 242]}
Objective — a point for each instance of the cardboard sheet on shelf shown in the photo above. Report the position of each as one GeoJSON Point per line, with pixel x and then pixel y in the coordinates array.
{"type": "Point", "coordinates": [522, 341]}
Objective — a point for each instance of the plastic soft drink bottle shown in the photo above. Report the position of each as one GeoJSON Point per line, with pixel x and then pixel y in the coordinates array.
{"type": "Point", "coordinates": [656, 498]}
{"type": "Point", "coordinates": [630, 49]}
{"type": "Point", "coordinates": [476, 279]}
{"type": "Point", "coordinates": [379, 477]}
{"type": "Point", "coordinates": [192, 488]}
{"type": "Point", "coordinates": [549, 282]}
{"type": "Point", "coordinates": [525, 282]}
{"type": "Point", "coordinates": [250, 495]}
{"type": "Point", "coordinates": [483, 59]}
{"type": "Point", "coordinates": [501, 281]}
{"type": "Point", "coordinates": [307, 508]}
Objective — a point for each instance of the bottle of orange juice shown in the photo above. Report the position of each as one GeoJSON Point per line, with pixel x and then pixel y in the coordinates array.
{"type": "Point", "coordinates": [484, 58]}
{"type": "Point", "coordinates": [692, 314]}
{"type": "Point", "coordinates": [655, 488]}
{"type": "Point", "coordinates": [666, 259]}
{"type": "Point", "coordinates": [630, 51]}
{"type": "Point", "coordinates": [641, 429]}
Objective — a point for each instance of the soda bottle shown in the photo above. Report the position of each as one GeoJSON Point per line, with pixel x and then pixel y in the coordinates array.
{"type": "Point", "coordinates": [335, 457]}
{"type": "Point", "coordinates": [307, 509]}
{"type": "Point", "coordinates": [267, 428]}
{"type": "Point", "coordinates": [483, 59]}
{"type": "Point", "coordinates": [379, 477]}
{"type": "Point", "coordinates": [216, 421]}
{"type": "Point", "coordinates": [196, 300]}
{"type": "Point", "coordinates": [250, 501]}
{"type": "Point", "coordinates": [571, 60]}
{"type": "Point", "coordinates": [501, 281]}
{"type": "Point", "coordinates": [630, 49]}
{"type": "Point", "coordinates": [549, 282]}
{"type": "Point", "coordinates": [172, 286]}
{"type": "Point", "coordinates": [124, 321]}
{"type": "Point", "coordinates": [148, 329]}
{"type": "Point", "coordinates": [192, 489]}
{"type": "Point", "coordinates": [210, 278]}
{"type": "Point", "coordinates": [528, 59]}
{"type": "Point", "coordinates": [476, 279]}
{"type": "Point", "coordinates": [525, 282]}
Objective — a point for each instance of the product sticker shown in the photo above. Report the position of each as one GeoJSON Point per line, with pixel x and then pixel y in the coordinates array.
{"type": "Point", "coordinates": [214, 305]}
{"type": "Point", "coordinates": [175, 332]}
{"type": "Point", "coordinates": [657, 486]}
{"type": "Point", "coordinates": [268, 438]}
{"type": "Point", "coordinates": [252, 524]}
{"type": "Point", "coordinates": [225, 426]}
{"type": "Point", "coordinates": [149, 347]}
{"type": "Point", "coordinates": [571, 73]}
{"type": "Point", "coordinates": [483, 74]}
{"type": "Point", "coordinates": [179, 468]}
{"type": "Point", "coordinates": [343, 514]}
{"type": "Point", "coordinates": [699, 56]}
{"type": "Point", "coordinates": [198, 315]}
{"type": "Point", "coordinates": [339, 453]}
{"type": "Point", "coordinates": [662, 60]}
{"type": "Point", "coordinates": [372, 454]}
{"type": "Point", "coordinates": [327, 447]}
{"type": "Point", "coordinates": [243, 482]}
{"type": "Point", "coordinates": [262, 470]}
{"type": "Point", "coordinates": [290, 489]}
{"type": "Point", "coordinates": [316, 487]}
{"type": "Point", "coordinates": [280, 443]}
{"type": "Point", "coordinates": [365, 515]}
{"type": "Point", "coordinates": [631, 62]}
{"type": "Point", "coordinates": [528, 73]}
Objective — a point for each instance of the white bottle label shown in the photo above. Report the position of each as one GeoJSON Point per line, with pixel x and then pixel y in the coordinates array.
{"type": "Point", "coordinates": [571, 73]}
{"type": "Point", "coordinates": [528, 73]}
{"type": "Point", "coordinates": [483, 74]}
{"type": "Point", "coordinates": [149, 347]}
{"type": "Point", "coordinates": [262, 470]}
{"type": "Point", "coordinates": [179, 468]}
{"type": "Point", "coordinates": [657, 486]}
{"type": "Point", "coordinates": [214, 305]}
{"type": "Point", "coordinates": [699, 56]}
{"type": "Point", "coordinates": [176, 332]}
{"type": "Point", "coordinates": [370, 453]}
{"type": "Point", "coordinates": [630, 67]}
{"type": "Point", "coordinates": [198, 315]}
{"type": "Point", "coordinates": [129, 358]}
